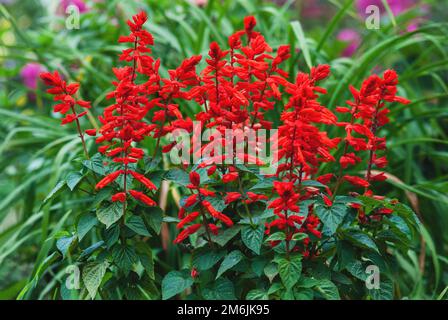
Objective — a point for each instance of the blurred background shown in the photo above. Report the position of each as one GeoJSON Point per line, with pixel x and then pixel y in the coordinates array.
{"type": "Point", "coordinates": [81, 42]}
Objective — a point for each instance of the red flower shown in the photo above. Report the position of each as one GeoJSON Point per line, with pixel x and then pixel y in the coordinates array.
{"type": "Point", "coordinates": [229, 177]}
{"type": "Point", "coordinates": [108, 179]}
{"type": "Point", "coordinates": [232, 197]}
{"type": "Point", "coordinates": [189, 218]}
{"type": "Point", "coordinates": [143, 198]}
{"type": "Point", "coordinates": [357, 181]}
{"type": "Point", "coordinates": [120, 196]}
{"type": "Point", "coordinates": [186, 232]}
{"type": "Point", "coordinates": [288, 198]}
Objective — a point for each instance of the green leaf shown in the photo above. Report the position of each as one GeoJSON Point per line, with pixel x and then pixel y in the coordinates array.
{"type": "Point", "coordinates": [225, 236]}
{"type": "Point", "coordinates": [299, 236]}
{"type": "Point", "coordinates": [73, 178]}
{"type": "Point", "coordinates": [85, 224]}
{"type": "Point", "coordinates": [229, 261]}
{"type": "Point", "coordinates": [271, 270]}
{"type": "Point", "coordinates": [124, 257]}
{"type": "Point", "coordinates": [332, 216]}
{"type": "Point", "coordinates": [63, 244]}
{"type": "Point", "coordinates": [154, 218]}
{"type": "Point", "coordinates": [54, 192]}
{"type": "Point", "coordinates": [266, 183]}
{"type": "Point", "coordinates": [253, 238]}
{"type": "Point", "coordinates": [175, 282]}
{"type": "Point", "coordinates": [221, 289]}
{"type": "Point", "coordinates": [290, 270]}
{"type": "Point", "coordinates": [257, 294]}
{"type": "Point", "coordinates": [95, 164]}
{"type": "Point", "coordinates": [91, 249]}
{"type": "Point", "coordinates": [136, 224]}
{"type": "Point", "coordinates": [146, 258]}
{"type": "Point", "coordinates": [384, 292]}
{"type": "Point", "coordinates": [92, 275]}
{"type": "Point", "coordinates": [357, 270]}
{"type": "Point", "coordinates": [277, 236]}
{"type": "Point", "coordinates": [361, 239]}
{"type": "Point", "coordinates": [111, 235]}
{"type": "Point", "coordinates": [328, 289]}
{"type": "Point", "coordinates": [110, 213]}
{"type": "Point", "coordinates": [206, 259]}
{"type": "Point", "coordinates": [178, 176]}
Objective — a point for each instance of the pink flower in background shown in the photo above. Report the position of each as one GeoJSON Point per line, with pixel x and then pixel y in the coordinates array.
{"type": "Point", "coordinates": [200, 3]}
{"type": "Point", "coordinates": [30, 73]}
{"type": "Point", "coordinates": [352, 37]}
{"type": "Point", "coordinates": [396, 6]}
{"type": "Point", "coordinates": [79, 3]}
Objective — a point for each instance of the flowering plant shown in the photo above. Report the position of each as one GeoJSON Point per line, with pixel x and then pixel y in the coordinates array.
{"type": "Point", "coordinates": [303, 223]}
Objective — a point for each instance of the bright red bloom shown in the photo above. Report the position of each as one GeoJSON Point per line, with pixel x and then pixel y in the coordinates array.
{"type": "Point", "coordinates": [108, 179]}
{"type": "Point", "coordinates": [288, 198]}
{"type": "Point", "coordinates": [143, 198]}
{"type": "Point", "coordinates": [120, 196]}
{"type": "Point", "coordinates": [357, 181]}
{"type": "Point", "coordinates": [232, 197]}
{"type": "Point", "coordinates": [64, 93]}
{"type": "Point", "coordinates": [229, 177]}
{"type": "Point", "coordinates": [189, 218]}
{"type": "Point", "coordinates": [186, 232]}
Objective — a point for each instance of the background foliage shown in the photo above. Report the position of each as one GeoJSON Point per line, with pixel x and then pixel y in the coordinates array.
{"type": "Point", "coordinates": [36, 152]}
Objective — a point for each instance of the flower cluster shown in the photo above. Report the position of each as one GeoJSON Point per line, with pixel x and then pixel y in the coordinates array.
{"type": "Point", "coordinates": [368, 112]}
{"type": "Point", "coordinates": [64, 94]}
{"type": "Point", "coordinates": [236, 89]}
{"type": "Point", "coordinates": [200, 202]}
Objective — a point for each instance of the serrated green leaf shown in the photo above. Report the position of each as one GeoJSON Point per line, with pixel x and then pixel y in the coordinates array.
{"type": "Point", "coordinates": [257, 294]}
{"type": "Point", "coordinates": [178, 176]}
{"type": "Point", "coordinates": [85, 224]}
{"type": "Point", "coordinates": [154, 217]}
{"type": "Point", "coordinates": [271, 270]}
{"type": "Point", "coordinates": [136, 224]}
{"type": "Point", "coordinates": [110, 213]}
{"type": "Point", "coordinates": [332, 216]}
{"type": "Point", "coordinates": [92, 275]}
{"type": "Point", "coordinates": [361, 239]}
{"type": "Point", "coordinates": [290, 270]}
{"type": "Point", "coordinates": [328, 289]}
{"type": "Point", "coordinates": [221, 289]}
{"type": "Point", "coordinates": [229, 261]}
{"type": "Point", "coordinates": [225, 236]}
{"type": "Point", "coordinates": [277, 236]}
{"type": "Point", "coordinates": [253, 238]}
{"type": "Point", "coordinates": [73, 178]}
{"type": "Point", "coordinates": [124, 257]}
{"type": "Point", "coordinates": [206, 259]}
{"type": "Point", "coordinates": [63, 244]}
{"type": "Point", "coordinates": [175, 282]}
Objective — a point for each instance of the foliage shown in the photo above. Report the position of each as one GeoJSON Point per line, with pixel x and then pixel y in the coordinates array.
{"type": "Point", "coordinates": [119, 250]}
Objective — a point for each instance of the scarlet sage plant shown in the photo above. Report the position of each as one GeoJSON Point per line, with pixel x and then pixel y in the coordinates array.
{"type": "Point", "coordinates": [307, 230]}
